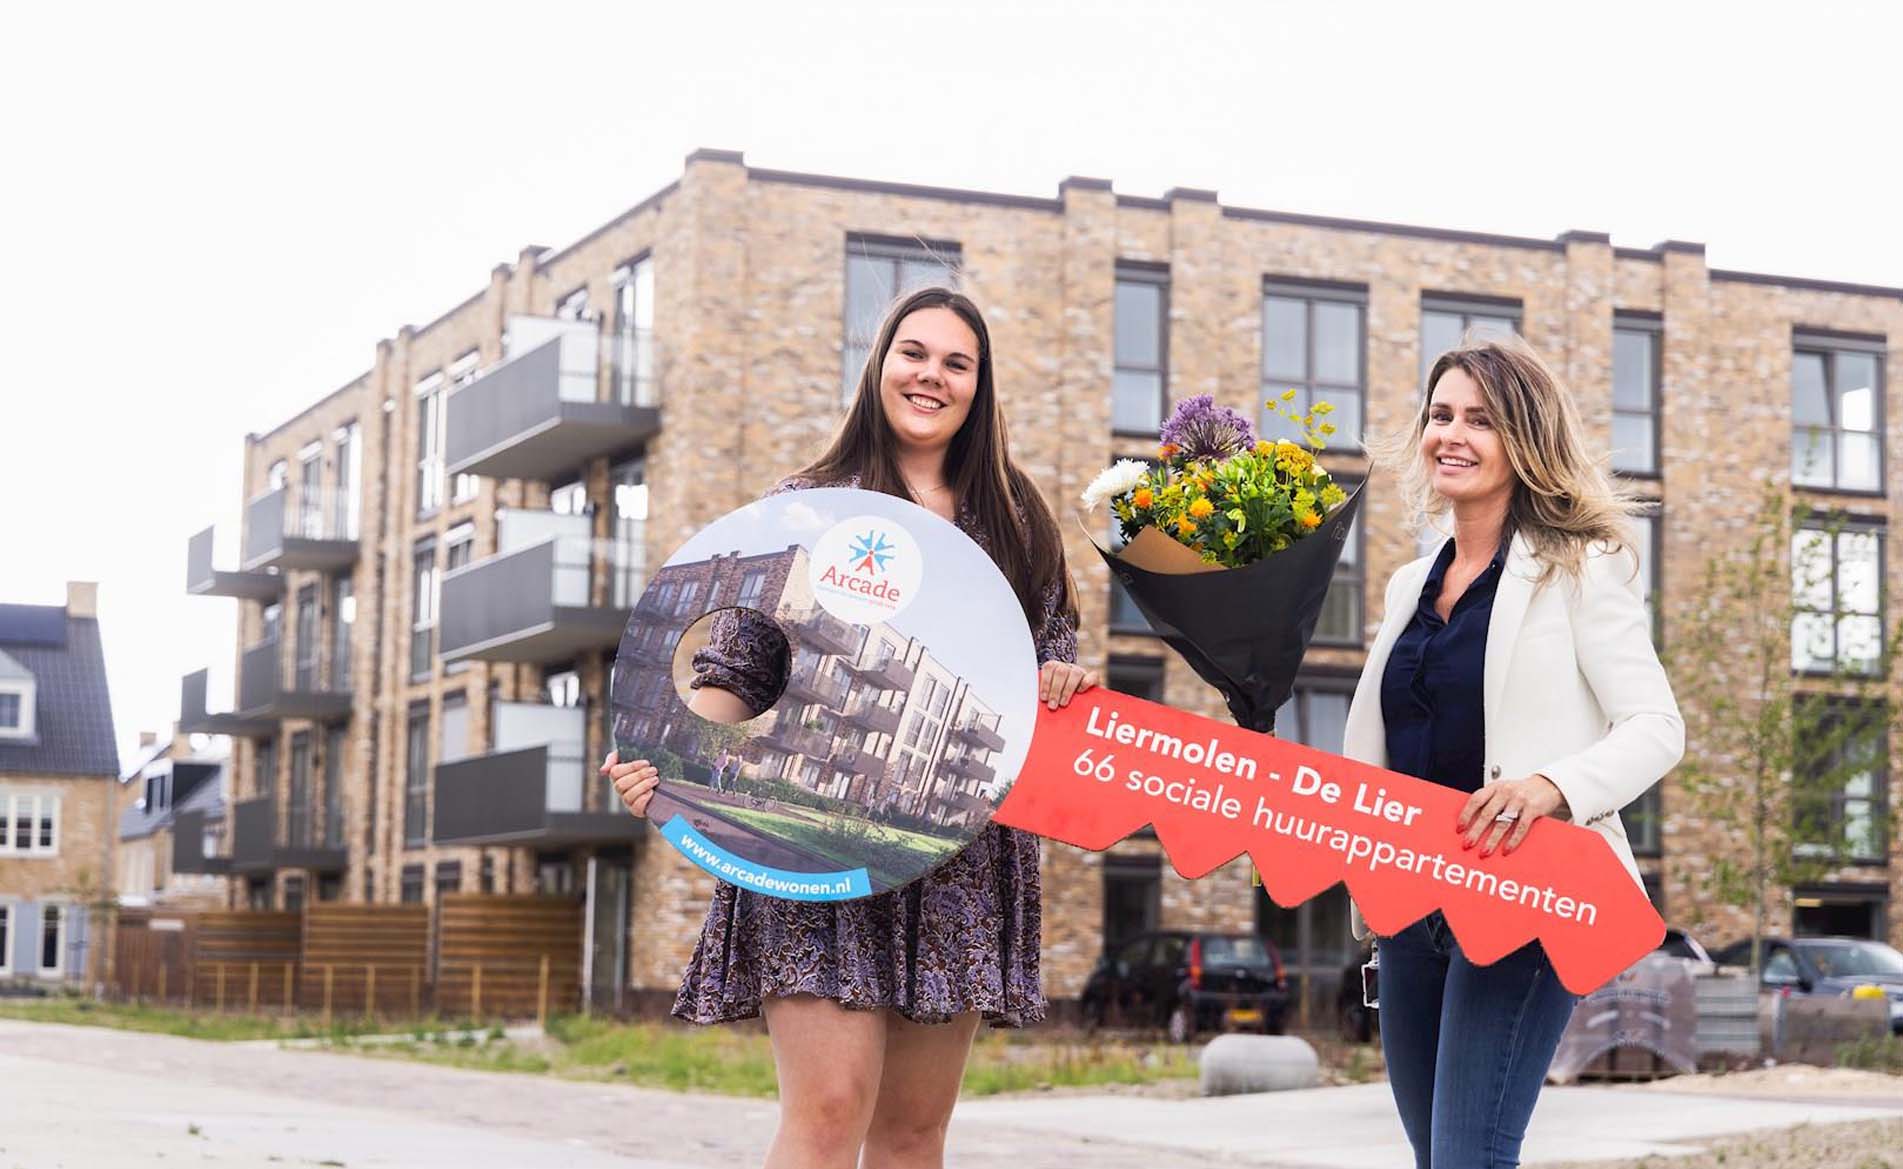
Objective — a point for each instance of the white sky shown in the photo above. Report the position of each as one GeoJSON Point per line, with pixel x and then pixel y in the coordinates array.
{"type": "Point", "coordinates": [214, 212]}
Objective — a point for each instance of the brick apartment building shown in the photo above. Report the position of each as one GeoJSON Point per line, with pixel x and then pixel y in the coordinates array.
{"type": "Point", "coordinates": [59, 772]}
{"type": "Point", "coordinates": [869, 715]}
{"type": "Point", "coordinates": [439, 557]}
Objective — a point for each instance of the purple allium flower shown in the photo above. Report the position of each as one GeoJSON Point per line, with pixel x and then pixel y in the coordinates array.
{"type": "Point", "coordinates": [1202, 430]}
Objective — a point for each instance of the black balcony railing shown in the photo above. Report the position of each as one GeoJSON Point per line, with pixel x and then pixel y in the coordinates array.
{"type": "Point", "coordinates": [189, 854]}
{"type": "Point", "coordinates": [887, 671]}
{"type": "Point", "coordinates": [193, 718]}
{"type": "Point", "coordinates": [530, 605]}
{"type": "Point", "coordinates": [863, 711]}
{"type": "Point", "coordinates": [807, 684]}
{"type": "Point", "coordinates": [970, 767]}
{"type": "Point", "coordinates": [202, 579]}
{"type": "Point", "coordinates": [263, 691]}
{"type": "Point", "coordinates": [317, 535]}
{"type": "Point", "coordinates": [982, 732]}
{"type": "Point", "coordinates": [257, 845]}
{"type": "Point", "coordinates": [536, 415]}
{"type": "Point", "coordinates": [533, 795]}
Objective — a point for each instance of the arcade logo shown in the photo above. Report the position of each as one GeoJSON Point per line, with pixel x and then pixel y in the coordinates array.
{"type": "Point", "coordinates": [866, 569]}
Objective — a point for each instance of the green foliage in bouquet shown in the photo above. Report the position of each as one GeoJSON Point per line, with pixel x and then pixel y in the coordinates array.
{"type": "Point", "coordinates": [1219, 491]}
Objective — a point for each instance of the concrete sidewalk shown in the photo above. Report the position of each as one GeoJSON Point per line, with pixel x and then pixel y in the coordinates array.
{"type": "Point", "coordinates": [88, 1098]}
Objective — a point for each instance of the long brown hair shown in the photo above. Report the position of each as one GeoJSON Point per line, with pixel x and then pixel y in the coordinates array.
{"type": "Point", "coordinates": [1018, 527]}
{"type": "Point", "coordinates": [1563, 500]}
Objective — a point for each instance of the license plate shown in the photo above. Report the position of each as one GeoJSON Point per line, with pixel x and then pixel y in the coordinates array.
{"type": "Point", "coordinates": [1244, 1017]}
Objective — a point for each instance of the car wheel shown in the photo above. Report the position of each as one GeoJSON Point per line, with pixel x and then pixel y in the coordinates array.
{"type": "Point", "coordinates": [1182, 1024]}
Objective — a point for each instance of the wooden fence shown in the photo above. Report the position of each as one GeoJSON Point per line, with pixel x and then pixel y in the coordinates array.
{"type": "Point", "coordinates": [365, 959]}
{"type": "Point", "coordinates": [244, 958]}
{"type": "Point", "coordinates": [508, 956]}
{"type": "Point", "coordinates": [151, 956]}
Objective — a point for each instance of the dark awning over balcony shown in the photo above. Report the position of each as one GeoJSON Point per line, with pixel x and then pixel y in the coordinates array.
{"type": "Point", "coordinates": [188, 846]}
{"type": "Point", "coordinates": [202, 580]}
{"type": "Point", "coordinates": [256, 847]}
{"type": "Point", "coordinates": [525, 606]}
{"type": "Point", "coordinates": [526, 796]}
{"type": "Point", "coordinates": [193, 718]}
{"type": "Point", "coordinates": [863, 712]}
{"type": "Point", "coordinates": [528, 418]}
{"type": "Point", "coordinates": [315, 536]}
{"type": "Point", "coordinates": [264, 690]}
{"type": "Point", "coordinates": [970, 767]}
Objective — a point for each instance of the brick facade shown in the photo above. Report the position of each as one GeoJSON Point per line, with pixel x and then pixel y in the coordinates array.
{"type": "Point", "coordinates": [749, 281]}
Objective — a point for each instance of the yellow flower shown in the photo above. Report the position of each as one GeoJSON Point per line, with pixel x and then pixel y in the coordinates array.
{"type": "Point", "coordinates": [1201, 509]}
{"type": "Point", "coordinates": [1143, 498]}
{"type": "Point", "coordinates": [1288, 396]}
{"type": "Point", "coordinates": [1308, 519]}
{"type": "Point", "coordinates": [1326, 428]}
{"type": "Point", "coordinates": [1264, 447]}
{"type": "Point", "coordinates": [1230, 539]}
{"type": "Point", "coordinates": [1185, 526]}
{"type": "Point", "coordinates": [1332, 495]}
{"type": "Point", "coordinates": [1324, 407]}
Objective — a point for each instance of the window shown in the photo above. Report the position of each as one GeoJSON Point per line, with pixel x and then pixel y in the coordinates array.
{"type": "Point", "coordinates": [343, 609]}
{"type": "Point", "coordinates": [423, 609]}
{"type": "Point", "coordinates": [294, 894]}
{"type": "Point", "coordinates": [1447, 321]}
{"type": "Point", "coordinates": [1140, 382]}
{"type": "Point", "coordinates": [1316, 715]}
{"type": "Point", "coordinates": [573, 307]}
{"type": "Point", "coordinates": [690, 593]}
{"type": "Point", "coordinates": [1644, 819]}
{"type": "Point", "coordinates": [310, 492]}
{"type": "Point", "coordinates": [29, 824]}
{"type": "Point", "coordinates": [348, 445]}
{"type": "Point", "coordinates": [561, 686]}
{"type": "Point", "coordinates": [751, 586]}
{"type": "Point", "coordinates": [277, 475]}
{"type": "Point", "coordinates": [53, 921]}
{"type": "Point", "coordinates": [1837, 590]}
{"type": "Point", "coordinates": [16, 710]}
{"type": "Point", "coordinates": [1314, 341]}
{"type": "Point", "coordinates": [267, 777]}
{"type": "Point", "coordinates": [1842, 773]}
{"type": "Point", "coordinates": [429, 443]}
{"type": "Point", "coordinates": [449, 878]}
{"type": "Point", "coordinates": [1125, 616]}
{"type": "Point", "coordinates": [630, 488]}
{"type": "Point", "coordinates": [271, 617]}
{"type": "Point", "coordinates": [1648, 542]}
{"type": "Point", "coordinates": [461, 372]}
{"type": "Point", "coordinates": [1137, 677]}
{"type": "Point", "coordinates": [411, 890]}
{"type": "Point", "coordinates": [304, 655]}
{"type": "Point", "coordinates": [1132, 896]}
{"type": "Point", "coordinates": [334, 749]}
{"type": "Point", "coordinates": [569, 498]}
{"type": "Point", "coordinates": [461, 543]}
{"type": "Point", "coordinates": [6, 939]}
{"type": "Point", "coordinates": [634, 334]}
{"type": "Point", "coordinates": [300, 812]}
{"type": "Point", "coordinates": [416, 780]}
{"type": "Point", "coordinates": [1837, 414]}
{"type": "Point", "coordinates": [1635, 394]}
{"type": "Point", "coordinates": [878, 272]}
{"type": "Point", "coordinates": [452, 733]}
{"type": "Point", "coordinates": [1340, 622]}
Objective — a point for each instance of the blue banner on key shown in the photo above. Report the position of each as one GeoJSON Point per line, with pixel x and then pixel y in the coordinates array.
{"type": "Point", "coordinates": [761, 878]}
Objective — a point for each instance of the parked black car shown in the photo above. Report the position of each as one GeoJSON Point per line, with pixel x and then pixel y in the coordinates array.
{"type": "Point", "coordinates": [1825, 966]}
{"type": "Point", "coordinates": [1188, 982]}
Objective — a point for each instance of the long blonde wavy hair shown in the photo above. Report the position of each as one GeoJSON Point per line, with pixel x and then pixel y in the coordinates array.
{"type": "Point", "coordinates": [1564, 502]}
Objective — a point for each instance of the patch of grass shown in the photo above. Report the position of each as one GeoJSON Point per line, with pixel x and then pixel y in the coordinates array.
{"type": "Point", "coordinates": [1001, 1064]}
{"type": "Point", "coordinates": [184, 1022]}
{"type": "Point", "coordinates": [1875, 1053]}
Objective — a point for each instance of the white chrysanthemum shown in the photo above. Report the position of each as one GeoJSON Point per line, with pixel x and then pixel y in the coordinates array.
{"type": "Point", "coordinates": [1123, 476]}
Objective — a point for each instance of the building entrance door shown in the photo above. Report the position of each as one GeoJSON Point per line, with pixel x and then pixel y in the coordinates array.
{"type": "Point", "coordinates": [609, 884]}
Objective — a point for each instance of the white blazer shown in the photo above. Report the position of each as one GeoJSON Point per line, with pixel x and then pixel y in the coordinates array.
{"type": "Point", "coordinates": [1573, 689]}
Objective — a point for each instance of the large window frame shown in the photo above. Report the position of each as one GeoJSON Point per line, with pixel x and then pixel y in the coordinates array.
{"type": "Point", "coordinates": [1637, 410]}
{"type": "Point", "coordinates": [1348, 587]}
{"type": "Point", "coordinates": [1814, 612]}
{"type": "Point", "coordinates": [634, 375]}
{"type": "Point", "coordinates": [465, 369]}
{"type": "Point", "coordinates": [1313, 299]}
{"type": "Point", "coordinates": [425, 588]}
{"type": "Point", "coordinates": [878, 270]}
{"type": "Point", "coordinates": [7, 927]}
{"type": "Point", "coordinates": [430, 432]}
{"type": "Point", "coordinates": [20, 722]}
{"type": "Point", "coordinates": [29, 824]}
{"type": "Point", "coordinates": [56, 927]}
{"type": "Point", "coordinates": [416, 776]}
{"type": "Point", "coordinates": [1871, 806]}
{"type": "Point", "coordinates": [1455, 316]}
{"type": "Point", "coordinates": [1136, 406]}
{"type": "Point", "coordinates": [1809, 423]}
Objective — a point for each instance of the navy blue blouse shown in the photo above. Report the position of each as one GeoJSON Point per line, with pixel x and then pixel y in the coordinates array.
{"type": "Point", "coordinates": [1432, 692]}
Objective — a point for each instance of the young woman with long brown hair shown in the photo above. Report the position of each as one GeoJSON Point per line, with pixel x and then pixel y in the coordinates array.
{"type": "Point", "coordinates": [872, 1004]}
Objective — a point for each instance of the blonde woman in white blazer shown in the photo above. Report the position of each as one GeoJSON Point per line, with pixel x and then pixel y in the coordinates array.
{"type": "Point", "coordinates": [1515, 663]}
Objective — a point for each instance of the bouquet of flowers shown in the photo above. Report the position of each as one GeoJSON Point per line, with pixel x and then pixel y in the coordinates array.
{"type": "Point", "coordinates": [1230, 544]}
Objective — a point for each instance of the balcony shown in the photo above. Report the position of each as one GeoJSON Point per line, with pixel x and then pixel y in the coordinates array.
{"type": "Point", "coordinates": [194, 718]}
{"type": "Point", "coordinates": [792, 738]}
{"type": "Point", "coordinates": [866, 714]}
{"type": "Point", "coordinates": [189, 851]}
{"type": "Point", "coordinates": [531, 789]}
{"type": "Point", "coordinates": [887, 671]}
{"type": "Point", "coordinates": [202, 580]}
{"type": "Point", "coordinates": [532, 601]}
{"type": "Point", "coordinates": [265, 690]}
{"type": "Point", "coordinates": [859, 761]}
{"type": "Point", "coordinates": [824, 632]}
{"type": "Point", "coordinates": [980, 732]}
{"type": "Point", "coordinates": [807, 684]}
{"type": "Point", "coordinates": [970, 767]}
{"type": "Point", "coordinates": [540, 414]}
{"type": "Point", "coordinates": [318, 531]}
{"type": "Point", "coordinates": [257, 846]}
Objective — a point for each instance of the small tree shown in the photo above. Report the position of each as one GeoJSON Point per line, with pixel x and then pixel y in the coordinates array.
{"type": "Point", "coordinates": [1782, 678]}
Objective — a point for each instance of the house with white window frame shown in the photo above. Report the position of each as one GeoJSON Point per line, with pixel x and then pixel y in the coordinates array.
{"type": "Point", "coordinates": [59, 769]}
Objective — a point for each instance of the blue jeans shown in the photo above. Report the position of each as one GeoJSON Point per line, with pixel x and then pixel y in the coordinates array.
{"type": "Point", "coordinates": [1467, 1046]}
